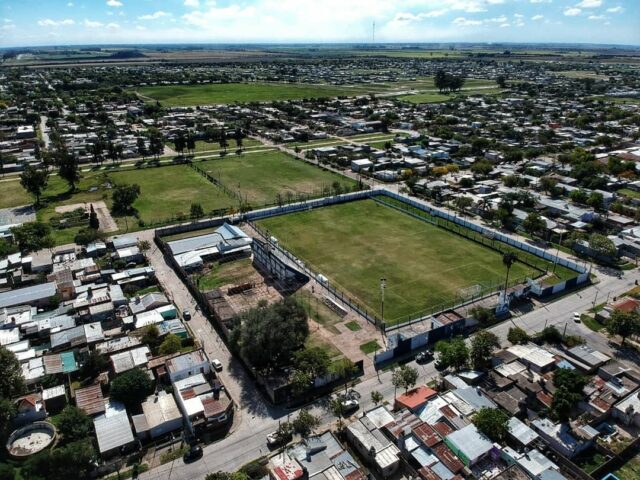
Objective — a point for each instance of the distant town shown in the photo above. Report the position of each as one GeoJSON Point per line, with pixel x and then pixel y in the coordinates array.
{"type": "Point", "coordinates": [327, 262]}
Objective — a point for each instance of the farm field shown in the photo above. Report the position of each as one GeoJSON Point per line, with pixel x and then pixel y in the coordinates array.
{"type": "Point", "coordinates": [357, 243]}
{"type": "Point", "coordinates": [187, 95]}
{"type": "Point", "coordinates": [260, 177]}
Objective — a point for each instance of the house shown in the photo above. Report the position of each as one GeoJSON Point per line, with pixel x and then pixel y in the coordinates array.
{"type": "Point", "coordinates": [113, 431]}
{"type": "Point", "coordinates": [560, 437]}
{"type": "Point", "coordinates": [627, 411]}
{"type": "Point", "coordinates": [361, 165]}
{"type": "Point", "coordinates": [415, 399]}
{"type": "Point", "coordinates": [54, 399]}
{"type": "Point", "coordinates": [37, 295]}
{"type": "Point", "coordinates": [189, 364]}
{"type": "Point", "coordinates": [90, 399]}
{"type": "Point", "coordinates": [374, 446]}
{"type": "Point", "coordinates": [469, 445]}
{"type": "Point", "coordinates": [160, 416]}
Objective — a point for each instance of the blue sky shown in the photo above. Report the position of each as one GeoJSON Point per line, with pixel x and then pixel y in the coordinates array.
{"type": "Point", "coordinates": [55, 22]}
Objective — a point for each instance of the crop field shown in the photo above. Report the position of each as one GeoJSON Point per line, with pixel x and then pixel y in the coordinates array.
{"type": "Point", "coordinates": [260, 177]}
{"type": "Point", "coordinates": [187, 95]}
{"type": "Point", "coordinates": [357, 243]}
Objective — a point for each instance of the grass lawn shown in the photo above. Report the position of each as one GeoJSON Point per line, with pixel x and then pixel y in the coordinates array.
{"type": "Point", "coordinates": [583, 74]}
{"type": "Point", "coordinates": [169, 191]}
{"type": "Point", "coordinates": [185, 95]}
{"type": "Point", "coordinates": [202, 146]}
{"type": "Point", "coordinates": [13, 195]}
{"type": "Point", "coordinates": [260, 177]}
{"type": "Point", "coordinates": [225, 273]}
{"type": "Point", "coordinates": [369, 347]}
{"type": "Point", "coordinates": [315, 340]}
{"type": "Point", "coordinates": [353, 326]}
{"type": "Point", "coordinates": [591, 323]}
{"type": "Point", "coordinates": [318, 311]}
{"type": "Point", "coordinates": [630, 470]}
{"type": "Point", "coordinates": [357, 243]}
{"type": "Point", "coordinates": [435, 97]}
{"type": "Point", "coordinates": [629, 193]}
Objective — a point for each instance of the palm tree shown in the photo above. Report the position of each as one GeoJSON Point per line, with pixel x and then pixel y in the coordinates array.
{"type": "Point", "coordinates": [508, 259]}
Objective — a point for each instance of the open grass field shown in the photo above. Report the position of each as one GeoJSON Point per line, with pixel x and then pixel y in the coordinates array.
{"type": "Point", "coordinates": [226, 273]}
{"type": "Point", "coordinates": [13, 195]}
{"type": "Point", "coordinates": [165, 192]}
{"type": "Point", "coordinates": [583, 74]}
{"type": "Point", "coordinates": [169, 191]}
{"type": "Point", "coordinates": [630, 470]}
{"type": "Point", "coordinates": [434, 97]}
{"type": "Point", "coordinates": [202, 146]}
{"type": "Point", "coordinates": [260, 177]}
{"type": "Point", "coordinates": [357, 243]}
{"type": "Point", "coordinates": [186, 95]}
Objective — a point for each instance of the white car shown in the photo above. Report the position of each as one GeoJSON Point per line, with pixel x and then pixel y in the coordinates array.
{"type": "Point", "coordinates": [216, 364]}
{"type": "Point", "coordinates": [576, 317]}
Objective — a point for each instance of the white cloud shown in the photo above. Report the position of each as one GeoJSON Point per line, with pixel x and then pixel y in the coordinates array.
{"type": "Point", "coordinates": [140, 28]}
{"type": "Point", "coordinates": [92, 24]}
{"type": "Point", "coordinates": [70, 4]}
{"type": "Point", "coordinates": [466, 22]}
{"type": "Point", "coordinates": [617, 9]}
{"type": "Point", "coordinates": [518, 15]}
{"type": "Point", "coordinates": [192, 3]}
{"type": "Point", "coordinates": [540, 1]}
{"type": "Point", "coordinates": [500, 19]}
{"type": "Point", "coordinates": [114, 3]}
{"type": "Point", "coordinates": [572, 12]}
{"type": "Point", "coordinates": [154, 15]}
{"type": "Point", "coordinates": [537, 17]}
{"type": "Point", "coordinates": [112, 25]}
{"type": "Point", "coordinates": [589, 4]}
{"type": "Point", "coordinates": [505, 25]}
{"type": "Point", "coordinates": [47, 22]}
{"type": "Point", "coordinates": [596, 17]}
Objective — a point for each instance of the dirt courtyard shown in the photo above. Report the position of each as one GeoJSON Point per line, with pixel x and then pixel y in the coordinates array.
{"type": "Point", "coordinates": [107, 223]}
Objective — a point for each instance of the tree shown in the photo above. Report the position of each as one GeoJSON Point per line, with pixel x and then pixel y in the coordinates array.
{"type": "Point", "coordinates": [463, 203]}
{"type": "Point", "coordinates": [517, 336]}
{"type": "Point", "coordinates": [579, 196]}
{"type": "Point", "coordinates": [595, 200]}
{"type": "Point", "coordinates": [482, 167]}
{"type": "Point", "coordinates": [8, 411]}
{"type": "Point", "coordinates": [151, 337]}
{"type": "Point", "coordinates": [223, 139]}
{"type": "Point", "coordinates": [227, 476]}
{"type": "Point", "coordinates": [238, 136]}
{"type": "Point", "coordinates": [482, 346]}
{"type": "Point", "coordinates": [191, 142]}
{"type": "Point", "coordinates": [7, 472]}
{"type": "Point", "coordinates": [131, 387]}
{"type": "Point", "coordinates": [7, 248]}
{"type": "Point", "coordinates": [305, 423]}
{"type": "Point", "coordinates": [144, 246]}
{"type": "Point", "coordinates": [548, 184]}
{"type": "Point", "coordinates": [452, 353]}
{"type": "Point", "coordinates": [483, 315]}
{"type": "Point", "coordinates": [180, 142]}
{"type": "Point", "coordinates": [196, 210]}
{"type": "Point", "coordinates": [345, 369]}
{"type": "Point", "coordinates": [141, 147]}
{"type": "Point", "coordinates": [300, 382]}
{"type": "Point", "coordinates": [74, 424]}
{"type": "Point", "coordinates": [71, 462]}
{"type": "Point", "coordinates": [315, 361]}
{"type": "Point", "coordinates": [550, 334]}
{"type": "Point", "coordinates": [508, 259]}
{"type": "Point", "coordinates": [376, 397]}
{"type": "Point", "coordinates": [34, 181]}
{"type": "Point", "coordinates": [534, 224]}
{"type": "Point", "coordinates": [501, 80]}
{"type": "Point", "coordinates": [404, 377]}
{"type": "Point", "coordinates": [268, 336]}
{"type": "Point", "coordinates": [94, 365]}
{"type": "Point", "coordinates": [493, 423]}
{"type": "Point", "coordinates": [32, 236]}
{"type": "Point", "coordinates": [569, 386]}
{"type": "Point", "coordinates": [68, 168]}
{"type": "Point", "coordinates": [87, 235]}
{"type": "Point", "coordinates": [602, 246]}
{"type": "Point", "coordinates": [563, 403]}
{"type": "Point", "coordinates": [94, 223]}
{"type": "Point", "coordinates": [124, 196]}
{"type": "Point", "coordinates": [336, 406]}
{"type": "Point", "coordinates": [623, 324]}
{"type": "Point", "coordinates": [11, 380]}
{"type": "Point", "coordinates": [171, 344]}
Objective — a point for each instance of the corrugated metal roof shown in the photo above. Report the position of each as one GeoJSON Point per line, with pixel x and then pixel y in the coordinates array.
{"type": "Point", "coordinates": [90, 399]}
{"type": "Point", "coordinates": [27, 295]}
{"type": "Point", "coordinates": [113, 431]}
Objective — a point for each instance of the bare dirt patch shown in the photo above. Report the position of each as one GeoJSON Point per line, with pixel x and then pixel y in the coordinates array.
{"type": "Point", "coordinates": [107, 223]}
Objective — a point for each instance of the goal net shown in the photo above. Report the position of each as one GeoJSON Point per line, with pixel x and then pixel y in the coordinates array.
{"type": "Point", "coordinates": [470, 292]}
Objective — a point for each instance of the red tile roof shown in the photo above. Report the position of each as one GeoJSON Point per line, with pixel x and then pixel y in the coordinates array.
{"type": "Point", "coordinates": [626, 304]}
{"type": "Point", "coordinates": [416, 397]}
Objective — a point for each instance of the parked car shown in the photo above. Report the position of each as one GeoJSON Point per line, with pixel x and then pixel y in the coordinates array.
{"type": "Point", "coordinates": [216, 364]}
{"type": "Point", "coordinates": [424, 357]}
{"type": "Point", "coordinates": [194, 453]}
{"type": "Point", "coordinates": [349, 405]}
{"type": "Point", "coordinates": [186, 315]}
{"type": "Point", "coordinates": [275, 440]}
{"type": "Point", "coordinates": [576, 317]}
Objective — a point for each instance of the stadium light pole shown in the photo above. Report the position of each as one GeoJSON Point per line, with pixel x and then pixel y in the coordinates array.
{"type": "Point", "coordinates": [383, 285]}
